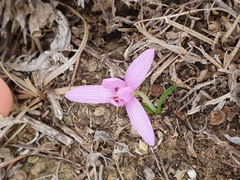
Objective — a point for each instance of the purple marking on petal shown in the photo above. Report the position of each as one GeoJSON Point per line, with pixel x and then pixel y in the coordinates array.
{"type": "Point", "coordinates": [112, 83]}
{"type": "Point", "coordinates": [90, 94]}
{"type": "Point", "coordinates": [140, 121]}
{"type": "Point", "coordinates": [139, 68]}
{"type": "Point", "coordinates": [117, 102]}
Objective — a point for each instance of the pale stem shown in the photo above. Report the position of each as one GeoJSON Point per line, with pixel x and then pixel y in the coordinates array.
{"type": "Point", "coordinates": [146, 100]}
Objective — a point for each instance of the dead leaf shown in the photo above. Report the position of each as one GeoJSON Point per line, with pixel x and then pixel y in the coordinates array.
{"type": "Point", "coordinates": [43, 15]}
{"type": "Point", "coordinates": [5, 153]}
{"type": "Point", "coordinates": [235, 140]}
{"type": "Point", "coordinates": [189, 141]}
{"type": "Point", "coordinates": [63, 37]}
{"type": "Point", "coordinates": [149, 173]}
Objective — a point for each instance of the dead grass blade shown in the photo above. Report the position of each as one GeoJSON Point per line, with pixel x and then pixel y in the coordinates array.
{"type": "Point", "coordinates": [230, 11]}
{"type": "Point", "coordinates": [229, 57]}
{"type": "Point", "coordinates": [164, 65]}
{"type": "Point", "coordinates": [211, 102]}
{"type": "Point", "coordinates": [63, 90]}
{"type": "Point", "coordinates": [55, 105]}
{"type": "Point", "coordinates": [226, 8]}
{"type": "Point", "coordinates": [173, 48]}
{"type": "Point", "coordinates": [190, 31]}
{"type": "Point", "coordinates": [230, 30]}
{"type": "Point", "coordinates": [75, 136]}
{"type": "Point", "coordinates": [34, 104]}
{"type": "Point", "coordinates": [106, 61]}
{"type": "Point", "coordinates": [197, 87]}
{"type": "Point", "coordinates": [25, 85]}
{"type": "Point", "coordinates": [174, 76]}
{"type": "Point", "coordinates": [73, 59]}
{"type": "Point", "coordinates": [45, 129]}
{"type": "Point", "coordinates": [214, 61]}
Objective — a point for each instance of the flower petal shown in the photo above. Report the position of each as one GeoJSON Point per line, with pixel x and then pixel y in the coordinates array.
{"type": "Point", "coordinates": [117, 102]}
{"type": "Point", "coordinates": [137, 71]}
{"type": "Point", "coordinates": [125, 94]}
{"type": "Point", "coordinates": [112, 83]}
{"type": "Point", "coordinates": [90, 94]}
{"type": "Point", "coordinates": [140, 121]}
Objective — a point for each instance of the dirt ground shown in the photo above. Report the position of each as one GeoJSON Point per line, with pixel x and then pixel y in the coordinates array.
{"type": "Point", "coordinates": [50, 46]}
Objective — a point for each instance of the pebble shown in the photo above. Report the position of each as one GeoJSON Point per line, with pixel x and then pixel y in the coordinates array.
{"type": "Point", "coordinates": [192, 173]}
{"type": "Point", "coordinates": [134, 132]}
{"type": "Point", "coordinates": [122, 121]}
{"type": "Point", "coordinates": [92, 65]}
{"type": "Point", "coordinates": [99, 111]}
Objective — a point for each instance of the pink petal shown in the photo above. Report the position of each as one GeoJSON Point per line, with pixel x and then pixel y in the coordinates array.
{"type": "Point", "coordinates": [137, 71]}
{"type": "Point", "coordinates": [90, 94]}
{"type": "Point", "coordinates": [140, 121]}
{"type": "Point", "coordinates": [125, 94]}
{"type": "Point", "coordinates": [112, 83]}
{"type": "Point", "coordinates": [117, 102]}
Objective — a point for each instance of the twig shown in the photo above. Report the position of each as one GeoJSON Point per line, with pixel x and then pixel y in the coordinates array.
{"type": "Point", "coordinates": [162, 165]}
{"type": "Point", "coordinates": [57, 170]}
{"type": "Point", "coordinates": [105, 60]}
{"type": "Point", "coordinates": [197, 87]}
{"type": "Point", "coordinates": [75, 136]}
{"type": "Point", "coordinates": [190, 31]}
{"type": "Point", "coordinates": [211, 102]}
{"type": "Point", "coordinates": [18, 158]}
{"type": "Point", "coordinates": [199, 131]}
{"type": "Point", "coordinates": [75, 71]}
{"type": "Point", "coordinates": [55, 105]}
{"type": "Point", "coordinates": [45, 129]}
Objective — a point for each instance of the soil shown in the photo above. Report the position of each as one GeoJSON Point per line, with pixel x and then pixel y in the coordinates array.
{"type": "Point", "coordinates": [112, 149]}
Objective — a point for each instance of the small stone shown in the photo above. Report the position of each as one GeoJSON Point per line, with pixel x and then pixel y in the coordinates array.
{"type": "Point", "coordinates": [99, 120]}
{"type": "Point", "coordinates": [20, 175]}
{"type": "Point", "coordinates": [84, 81]}
{"type": "Point", "coordinates": [134, 132]}
{"type": "Point", "coordinates": [143, 147]}
{"type": "Point", "coordinates": [92, 65]}
{"type": "Point", "coordinates": [122, 121]}
{"type": "Point", "coordinates": [99, 111]}
{"type": "Point", "coordinates": [192, 173]}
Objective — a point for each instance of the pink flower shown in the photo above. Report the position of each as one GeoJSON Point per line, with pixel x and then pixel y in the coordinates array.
{"type": "Point", "coordinates": [119, 93]}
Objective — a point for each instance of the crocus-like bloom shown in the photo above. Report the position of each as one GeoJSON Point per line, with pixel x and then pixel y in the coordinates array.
{"type": "Point", "coordinates": [119, 93]}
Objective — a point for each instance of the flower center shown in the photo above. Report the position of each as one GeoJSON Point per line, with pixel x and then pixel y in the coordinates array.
{"type": "Point", "coordinates": [116, 98]}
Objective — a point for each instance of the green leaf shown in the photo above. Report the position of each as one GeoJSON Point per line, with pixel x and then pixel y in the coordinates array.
{"type": "Point", "coordinates": [148, 109]}
{"type": "Point", "coordinates": [163, 97]}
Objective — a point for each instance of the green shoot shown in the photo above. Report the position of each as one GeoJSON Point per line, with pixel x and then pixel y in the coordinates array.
{"type": "Point", "coordinates": [163, 97]}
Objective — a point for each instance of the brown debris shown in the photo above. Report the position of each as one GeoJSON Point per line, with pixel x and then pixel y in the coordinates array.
{"type": "Point", "coordinates": [156, 90]}
{"type": "Point", "coordinates": [217, 118]}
